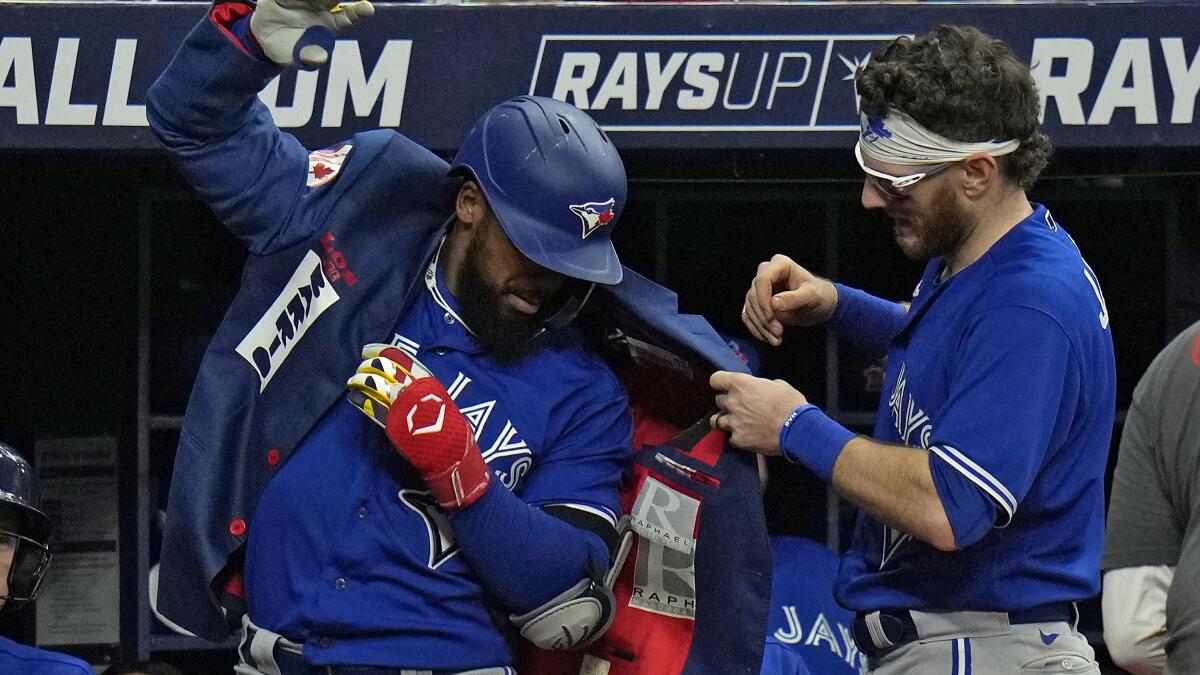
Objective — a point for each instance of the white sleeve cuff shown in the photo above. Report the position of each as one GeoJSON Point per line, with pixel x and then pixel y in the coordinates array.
{"type": "Point", "coordinates": [980, 477]}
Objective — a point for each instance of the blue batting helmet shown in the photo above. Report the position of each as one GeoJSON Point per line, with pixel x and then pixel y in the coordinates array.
{"type": "Point", "coordinates": [554, 181]}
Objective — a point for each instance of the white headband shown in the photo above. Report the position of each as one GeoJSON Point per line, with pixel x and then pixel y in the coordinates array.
{"type": "Point", "coordinates": [899, 139]}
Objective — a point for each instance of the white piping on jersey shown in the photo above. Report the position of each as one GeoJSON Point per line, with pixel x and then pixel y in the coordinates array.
{"type": "Point", "coordinates": [431, 284]}
{"type": "Point", "coordinates": [980, 477]}
{"type": "Point", "coordinates": [603, 513]}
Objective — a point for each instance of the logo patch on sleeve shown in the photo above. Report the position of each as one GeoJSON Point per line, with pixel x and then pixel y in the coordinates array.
{"type": "Point", "coordinates": [324, 165]}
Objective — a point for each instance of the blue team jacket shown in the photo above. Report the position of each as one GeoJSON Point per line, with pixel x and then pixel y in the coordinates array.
{"type": "Point", "coordinates": [331, 264]}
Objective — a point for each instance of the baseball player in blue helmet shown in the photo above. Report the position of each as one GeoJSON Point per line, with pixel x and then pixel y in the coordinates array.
{"type": "Point", "coordinates": [396, 424]}
{"type": "Point", "coordinates": [981, 490]}
{"type": "Point", "coordinates": [24, 556]}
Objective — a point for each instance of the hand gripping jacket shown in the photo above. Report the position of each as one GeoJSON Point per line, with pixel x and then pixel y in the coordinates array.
{"type": "Point", "coordinates": [324, 271]}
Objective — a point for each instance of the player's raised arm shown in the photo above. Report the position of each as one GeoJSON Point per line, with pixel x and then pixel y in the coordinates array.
{"type": "Point", "coordinates": [205, 110]}
{"type": "Point", "coordinates": [783, 293]}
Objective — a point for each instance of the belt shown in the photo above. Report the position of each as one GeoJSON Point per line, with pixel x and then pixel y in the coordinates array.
{"type": "Point", "coordinates": [876, 633]}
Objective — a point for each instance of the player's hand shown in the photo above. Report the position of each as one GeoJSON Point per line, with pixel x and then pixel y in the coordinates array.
{"type": "Point", "coordinates": [422, 422]}
{"type": "Point", "coordinates": [753, 409]}
{"type": "Point", "coordinates": [301, 32]}
{"type": "Point", "coordinates": [785, 294]}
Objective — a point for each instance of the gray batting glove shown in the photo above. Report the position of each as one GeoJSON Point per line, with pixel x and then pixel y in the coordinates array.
{"type": "Point", "coordinates": [301, 32]}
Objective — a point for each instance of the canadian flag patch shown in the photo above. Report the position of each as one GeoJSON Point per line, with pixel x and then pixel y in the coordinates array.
{"type": "Point", "coordinates": [324, 165]}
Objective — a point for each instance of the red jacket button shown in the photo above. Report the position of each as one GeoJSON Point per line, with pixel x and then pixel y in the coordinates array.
{"type": "Point", "coordinates": [237, 527]}
{"type": "Point", "coordinates": [273, 456]}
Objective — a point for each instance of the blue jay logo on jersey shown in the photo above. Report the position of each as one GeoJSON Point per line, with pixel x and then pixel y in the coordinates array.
{"type": "Point", "coordinates": [594, 215]}
{"type": "Point", "coordinates": [442, 544]}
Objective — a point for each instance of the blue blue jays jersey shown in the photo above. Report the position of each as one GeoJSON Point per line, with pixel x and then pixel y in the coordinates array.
{"type": "Point", "coordinates": [806, 624]}
{"type": "Point", "coordinates": [19, 658]}
{"type": "Point", "coordinates": [348, 553]}
{"type": "Point", "coordinates": [1005, 374]}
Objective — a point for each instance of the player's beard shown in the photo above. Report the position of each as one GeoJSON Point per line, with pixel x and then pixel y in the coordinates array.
{"type": "Point", "coordinates": [505, 335]}
{"type": "Point", "coordinates": [940, 230]}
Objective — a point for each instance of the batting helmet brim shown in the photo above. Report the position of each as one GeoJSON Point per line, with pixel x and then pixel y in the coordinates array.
{"type": "Point", "coordinates": [574, 255]}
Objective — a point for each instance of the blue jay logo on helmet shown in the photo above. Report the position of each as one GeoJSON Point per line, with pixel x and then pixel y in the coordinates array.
{"type": "Point", "coordinates": [594, 214]}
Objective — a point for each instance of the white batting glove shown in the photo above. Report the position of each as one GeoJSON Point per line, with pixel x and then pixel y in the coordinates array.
{"type": "Point", "coordinates": [301, 32]}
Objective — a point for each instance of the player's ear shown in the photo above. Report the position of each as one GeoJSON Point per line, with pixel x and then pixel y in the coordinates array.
{"type": "Point", "coordinates": [470, 206]}
{"type": "Point", "coordinates": [980, 173]}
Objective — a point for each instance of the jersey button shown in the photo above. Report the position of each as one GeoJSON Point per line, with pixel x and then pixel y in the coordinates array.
{"type": "Point", "coordinates": [362, 513]}
{"type": "Point", "coordinates": [448, 319]}
{"type": "Point", "coordinates": [440, 351]}
{"type": "Point", "coordinates": [339, 583]}
{"type": "Point", "coordinates": [273, 456]}
{"type": "Point", "coordinates": [325, 642]}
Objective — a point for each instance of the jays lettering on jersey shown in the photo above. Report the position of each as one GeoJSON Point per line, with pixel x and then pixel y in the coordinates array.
{"type": "Point", "coordinates": [805, 619]}
{"type": "Point", "coordinates": [1005, 374]}
{"type": "Point", "coordinates": [554, 428]}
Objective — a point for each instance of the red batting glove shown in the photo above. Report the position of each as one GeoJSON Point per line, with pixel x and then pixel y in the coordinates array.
{"type": "Point", "coordinates": [423, 424]}
{"type": "Point", "coordinates": [430, 432]}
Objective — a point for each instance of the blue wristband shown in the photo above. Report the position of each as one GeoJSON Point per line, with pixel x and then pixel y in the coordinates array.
{"type": "Point", "coordinates": [811, 438]}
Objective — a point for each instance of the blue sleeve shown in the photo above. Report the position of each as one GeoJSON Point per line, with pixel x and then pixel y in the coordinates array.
{"type": "Point", "coordinates": [585, 465]}
{"type": "Point", "coordinates": [527, 557]}
{"type": "Point", "coordinates": [522, 555]}
{"type": "Point", "coordinates": [868, 323]}
{"type": "Point", "coordinates": [205, 110]}
{"type": "Point", "coordinates": [971, 512]}
{"type": "Point", "coordinates": [1015, 382]}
